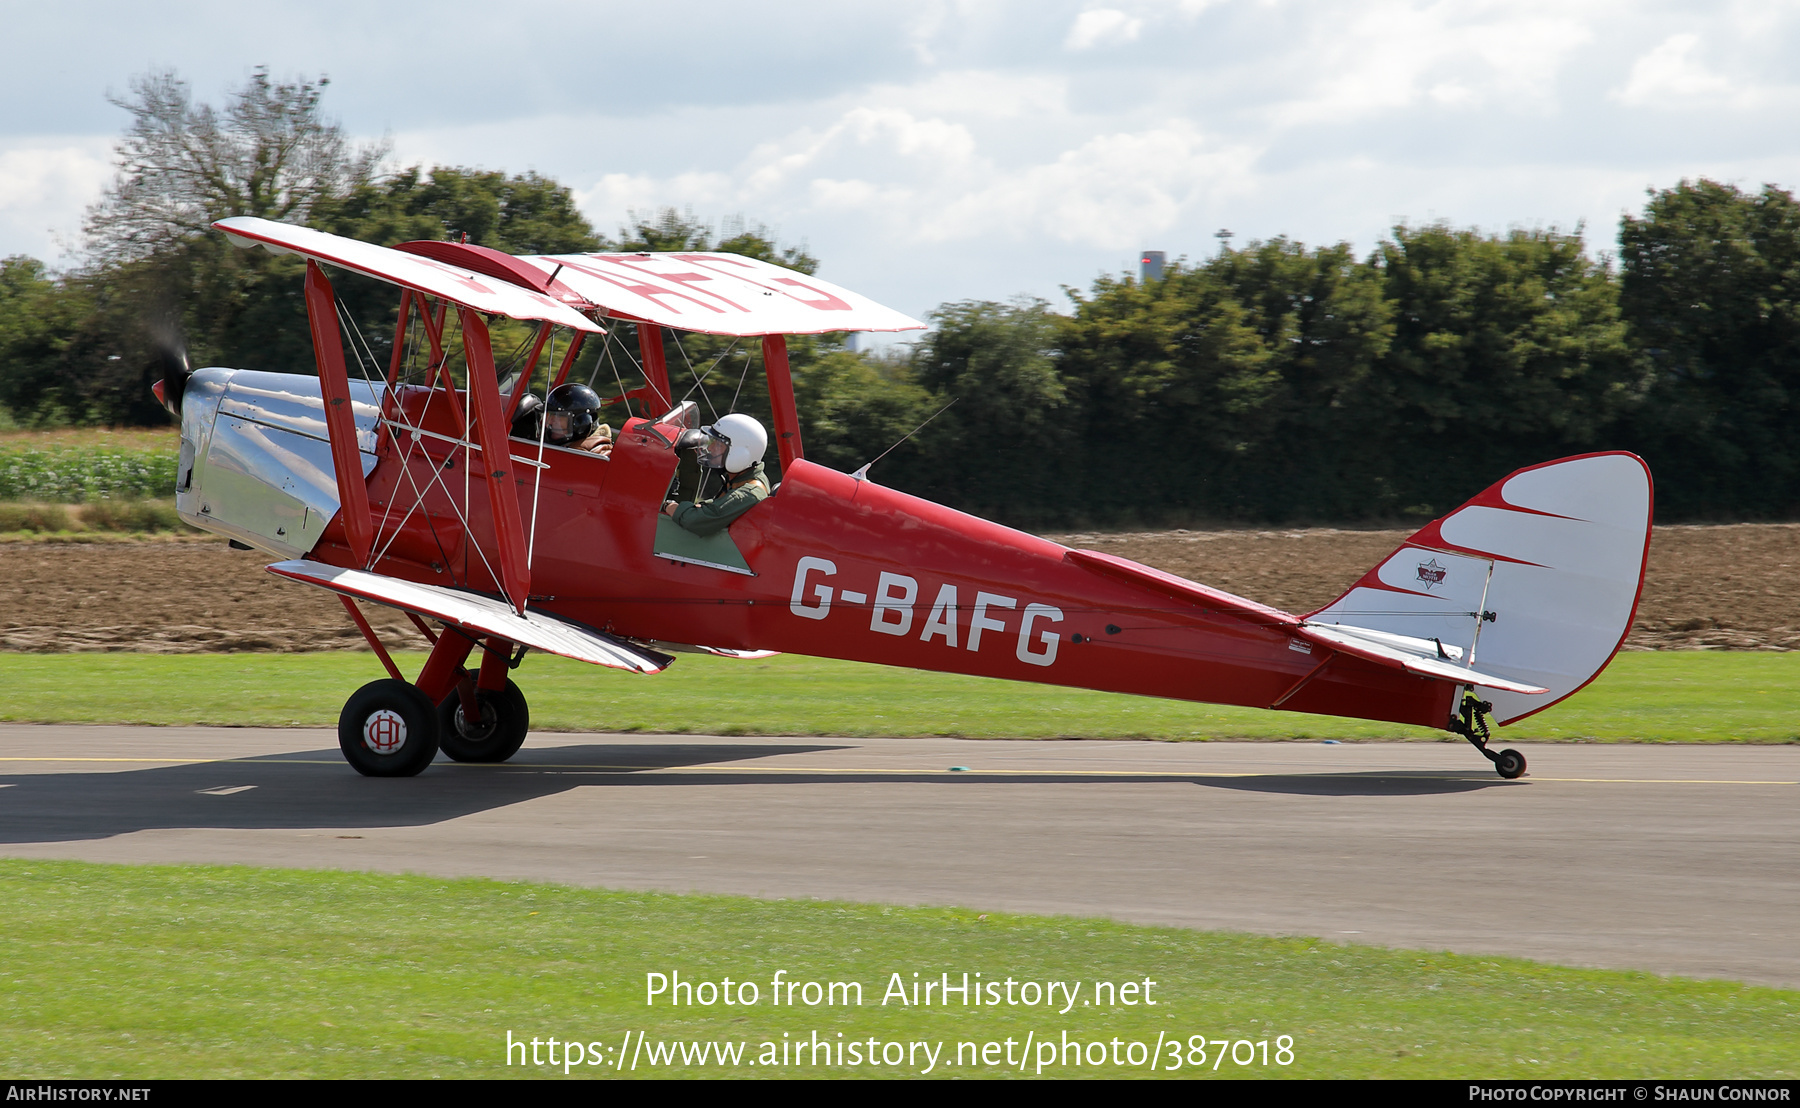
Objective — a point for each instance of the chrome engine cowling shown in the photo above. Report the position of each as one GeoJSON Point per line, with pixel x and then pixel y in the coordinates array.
{"type": "Point", "coordinates": [255, 458]}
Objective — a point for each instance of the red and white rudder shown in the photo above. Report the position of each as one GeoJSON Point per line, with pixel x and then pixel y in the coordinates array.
{"type": "Point", "coordinates": [1553, 555]}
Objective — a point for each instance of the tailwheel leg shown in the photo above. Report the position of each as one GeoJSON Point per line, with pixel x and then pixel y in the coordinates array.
{"type": "Point", "coordinates": [1471, 723]}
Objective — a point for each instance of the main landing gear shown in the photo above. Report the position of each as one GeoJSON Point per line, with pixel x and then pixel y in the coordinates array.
{"type": "Point", "coordinates": [493, 733]}
{"type": "Point", "coordinates": [1471, 724]}
{"type": "Point", "coordinates": [388, 729]}
{"type": "Point", "coordinates": [392, 728]}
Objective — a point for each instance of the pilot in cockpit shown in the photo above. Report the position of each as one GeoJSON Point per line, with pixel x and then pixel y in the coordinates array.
{"type": "Point", "coordinates": [571, 419]}
{"type": "Point", "coordinates": [735, 445]}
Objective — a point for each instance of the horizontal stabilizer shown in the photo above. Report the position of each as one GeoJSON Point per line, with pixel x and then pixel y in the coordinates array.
{"type": "Point", "coordinates": [1362, 645]}
{"type": "Point", "coordinates": [480, 614]}
{"type": "Point", "coordinates": [1424, 648]}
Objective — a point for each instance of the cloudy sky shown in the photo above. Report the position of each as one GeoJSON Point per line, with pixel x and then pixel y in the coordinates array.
{"type": "Point", "coordinates": [933, 150]}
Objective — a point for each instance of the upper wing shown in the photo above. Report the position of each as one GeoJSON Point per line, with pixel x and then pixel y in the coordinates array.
{"type": "Point", "coordinates": [721, 294]}
{"type": "Point", "coordinates": [421, 274]}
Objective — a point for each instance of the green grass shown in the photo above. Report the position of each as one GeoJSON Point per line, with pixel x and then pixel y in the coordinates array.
{"type": "Point", "coordinates": [76, 469]}
{"type": "Point", "coordinates": [166, 971]}
{"type": "Point", "coordinates": [1642, 697]}
{"type": "Point", "coordinates": [107, 516]}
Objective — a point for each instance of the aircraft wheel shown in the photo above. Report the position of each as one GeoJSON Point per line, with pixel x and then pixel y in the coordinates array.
{"type": "Point", "coordinates": [1510, 764]}
{"type": "Point", "coordinates": [495, 737]}
{"type": "Point", "coordinates": [388, 728]}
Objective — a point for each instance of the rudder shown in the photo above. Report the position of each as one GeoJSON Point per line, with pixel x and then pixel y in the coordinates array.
{"type": "Point", "coordinates": [1537, 579]}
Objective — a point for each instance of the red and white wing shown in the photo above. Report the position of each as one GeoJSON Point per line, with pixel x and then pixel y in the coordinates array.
{"type": "Point", "coordinates": [421, 274]}
{"type": "Point", "coordinates": [721, 294]}
{"type": "Point", "coordinates": [480, 614]}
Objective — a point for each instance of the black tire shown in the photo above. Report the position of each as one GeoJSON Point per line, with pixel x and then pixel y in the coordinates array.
{"type": "Point", "coordinates": [501, 731]}
{"type": "Point", "coordinates": [1510, 764]}
{"type": "Point", "coordinates": [388, 728]}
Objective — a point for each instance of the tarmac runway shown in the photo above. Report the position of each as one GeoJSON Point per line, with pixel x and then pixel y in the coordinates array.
{"type": "Point", "coordinates": [1676, 860]}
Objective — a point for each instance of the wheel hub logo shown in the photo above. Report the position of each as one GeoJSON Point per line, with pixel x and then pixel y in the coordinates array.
{"type": "Point", "coordinates": [384, 732]}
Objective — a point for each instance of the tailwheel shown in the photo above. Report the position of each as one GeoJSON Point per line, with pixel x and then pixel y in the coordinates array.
{"type": "Point", "coordinates": [494, 737]}
{"type": "Point", "coordinates": [1471, 724]}
{"type": "Point", "coordinates": [388, 728]}
{"type": "Point", "coordinates": [1509, 764]}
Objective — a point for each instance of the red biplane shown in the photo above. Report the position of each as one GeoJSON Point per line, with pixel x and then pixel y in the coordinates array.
{"type": "Point", "coordinates": [403, 486]}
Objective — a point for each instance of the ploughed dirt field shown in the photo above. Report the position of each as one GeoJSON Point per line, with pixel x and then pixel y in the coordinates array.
{"type": "Point", "coordinates": [1708, 588]}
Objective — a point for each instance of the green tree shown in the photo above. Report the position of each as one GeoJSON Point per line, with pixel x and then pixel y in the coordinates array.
{"type": "Point", "coordinates": [1321, 317]}
{"type": "Point", "coordinates": [854, 406]}
{"type": "Point", "coordinates": [526, 214]}
{"type": "Point", "coordinates": [1508, 350]}
{"type": "Point", "coordinates": [1002, 447]}
{"type": "Point", "coordinates": [1250, 373]}
{"type": "Point", "coordinates": [1710, 276]}
{"type": "Point", "coordinates": [270, 152]}
{"type": "Point", "coordinates": [151, 253]}
{"type": "Point", "coordinates": [40, 335]}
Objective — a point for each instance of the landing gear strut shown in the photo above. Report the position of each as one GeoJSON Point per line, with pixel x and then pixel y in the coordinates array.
{"type": "Point", "coordinates": [1471, 724]}
{"type": "Point", "coordinates": [393, 728]}
{"type": "Point", "coordinates": [493, 737]}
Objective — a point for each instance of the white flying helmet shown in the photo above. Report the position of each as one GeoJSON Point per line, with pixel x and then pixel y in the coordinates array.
{"type": "Point", "coordinates": [744, 439]}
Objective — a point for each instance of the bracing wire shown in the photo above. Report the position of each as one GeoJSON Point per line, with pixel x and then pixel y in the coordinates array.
{"type": "Point", "coordinates": [742, 377]}
{"type": "Point", "coordinates": [699, 378]}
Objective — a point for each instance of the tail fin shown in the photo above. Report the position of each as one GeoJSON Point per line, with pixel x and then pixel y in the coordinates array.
{"type": "Point", "coordinates": [1536, 580]}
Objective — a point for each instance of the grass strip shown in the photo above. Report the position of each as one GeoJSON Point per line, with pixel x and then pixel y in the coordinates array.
{"type": "Point", "coordinates": [198, 971]}
{"type": "Point", "coordinates": [1688, 697]}
{"type": "Point", "coordinates": [71, 471]}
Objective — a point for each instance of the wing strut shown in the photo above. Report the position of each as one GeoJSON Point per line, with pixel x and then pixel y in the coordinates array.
{"type": "Point", "coordinates": [656, 367]}
{"type": "Point", "coordinates": [490, 431]}
{"type": "Point", "coordinates": [340, 420]}
{"type": "Point", "coordinates": [781, 399]}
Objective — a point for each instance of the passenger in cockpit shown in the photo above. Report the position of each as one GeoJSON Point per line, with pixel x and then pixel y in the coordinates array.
{"type": "Point", "coordinates": [572, 419]}
{"type": "Point", "coordinates": [735, 445]}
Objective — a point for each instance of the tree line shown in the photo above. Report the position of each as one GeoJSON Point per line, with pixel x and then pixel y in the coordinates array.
{"type": "Point", "coordinates": [1275, 382]}
{"type": "Point", "coordinates": [1279, 382]}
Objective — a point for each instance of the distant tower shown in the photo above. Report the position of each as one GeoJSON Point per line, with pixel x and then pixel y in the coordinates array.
{"type": "Point", "coordinates": [1151, 265]}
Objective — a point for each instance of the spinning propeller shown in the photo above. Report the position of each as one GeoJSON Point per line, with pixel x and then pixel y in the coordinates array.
{"type": "Point", "coordinates": [172, 355]}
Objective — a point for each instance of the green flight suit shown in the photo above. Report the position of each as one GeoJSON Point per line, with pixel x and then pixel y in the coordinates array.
{"type": "Point", "coordinates": [743, 491]}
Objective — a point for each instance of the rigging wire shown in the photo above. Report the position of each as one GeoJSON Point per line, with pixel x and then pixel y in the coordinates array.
{"type": "Point", "coordinates": [699, 378]}
{"type": "Point", "coordinates": [742, 377]}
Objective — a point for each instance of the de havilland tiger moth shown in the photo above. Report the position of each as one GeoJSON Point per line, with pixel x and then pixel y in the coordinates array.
{"type": "Point", "coordinates": [471, 506]}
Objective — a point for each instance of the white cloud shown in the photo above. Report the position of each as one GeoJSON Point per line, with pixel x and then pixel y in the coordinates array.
{"type": "Point", "coordinates": [45, 187]}
{"type": "Point", "coordinates": [623, 193]}
{"type": "Point", "coordinates": [1103, 27]}
{"type": "Point", "coordinates": [929, 179]}
{"type": "Point", "coordinates": [1396, 54]}
{"type": "Point", "coordinates": [1671, 75]}
{"type": "Point", "coordinates": [937, 149]}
